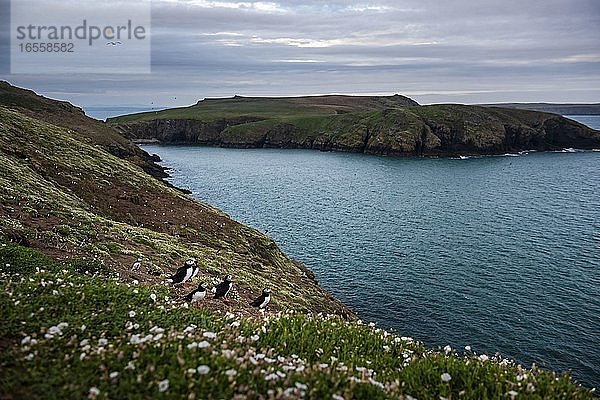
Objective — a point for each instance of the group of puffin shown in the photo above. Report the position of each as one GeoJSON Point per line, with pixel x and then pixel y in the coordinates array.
{"type": "Point", "coordinates": [190, 269]}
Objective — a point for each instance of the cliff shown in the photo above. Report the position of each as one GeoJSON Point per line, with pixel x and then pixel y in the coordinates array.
{"type": "Point", "coordinates": [556, 108]}
{"type": "Point", "coordinates": [78, 322]}
{"type": "Point", "coordinates": [392, 125]}
{"type": "Point", "coordinates": [72, 187]}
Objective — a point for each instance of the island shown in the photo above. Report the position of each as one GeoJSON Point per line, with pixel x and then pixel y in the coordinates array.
{"type": "Point", "coordinates": [89, 236]}
{"type": "Point", "coordinates": [387, 125]}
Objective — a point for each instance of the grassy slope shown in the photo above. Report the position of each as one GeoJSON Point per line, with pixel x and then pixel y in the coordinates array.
{"type": "Point", "coordinates": [387, 125]}
{"type": "Point", "coordinates": [66, 115]}
{"type": "Point", "coordinates": [94, 213]}
{"type": "Point", "coordinates": [114, 340]}
{"type": "Point", "coordinates": [71, 199]}
{"type": "Point", "coordinates": [266, 108]}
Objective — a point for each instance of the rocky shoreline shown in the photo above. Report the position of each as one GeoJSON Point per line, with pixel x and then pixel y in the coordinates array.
{"type": "Point", "coordinates": [441, 131]}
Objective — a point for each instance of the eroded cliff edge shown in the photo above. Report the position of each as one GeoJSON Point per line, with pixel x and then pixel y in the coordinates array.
{"type": "Point", "coordinates": [392, 125]}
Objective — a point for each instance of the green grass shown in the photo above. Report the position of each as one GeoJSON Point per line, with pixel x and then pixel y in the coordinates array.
{"type": "Point", "coordinates": [211, 110]}
{"type": "Point", "coordinates": [109, 327]}
{"type": "Point", "coordinates": [48, 172]}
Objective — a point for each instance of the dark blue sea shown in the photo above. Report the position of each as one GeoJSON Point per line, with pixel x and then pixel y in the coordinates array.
{"type": "Point", "coordinates": [499, 253]}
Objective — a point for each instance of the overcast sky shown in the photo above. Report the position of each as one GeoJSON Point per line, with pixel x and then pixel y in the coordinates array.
{"type": "Point", "coordinates": [466, 51]}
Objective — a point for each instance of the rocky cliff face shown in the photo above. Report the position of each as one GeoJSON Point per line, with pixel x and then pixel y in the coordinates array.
{"type": "Point", "coordinates": [440, 130]}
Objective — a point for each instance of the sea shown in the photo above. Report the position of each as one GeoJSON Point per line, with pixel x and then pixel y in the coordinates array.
{"type": "Point", "coordinates": [498, 253]}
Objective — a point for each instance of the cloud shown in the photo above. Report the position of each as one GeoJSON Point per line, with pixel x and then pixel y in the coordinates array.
{"type": "Point", "coordinates": [456, 51]}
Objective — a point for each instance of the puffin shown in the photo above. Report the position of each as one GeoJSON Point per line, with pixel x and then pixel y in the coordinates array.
{"type": "Point", "coordinates": [197, 294]}
{"type": "Point", "coordinates": [183, 274]}
{"type": "Point", "coordinates": [224, 287]}
{"type": "Point", "coordinates": [136, 265]}
{"type": "Point", "coordinates": [262, 300]}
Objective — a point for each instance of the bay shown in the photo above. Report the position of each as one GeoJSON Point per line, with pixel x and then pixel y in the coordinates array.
{"type": "Point", "coordinates": [499, 253]}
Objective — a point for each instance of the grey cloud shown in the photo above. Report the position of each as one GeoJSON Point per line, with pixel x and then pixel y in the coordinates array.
{"type": "Point", "coordinates": [441, 51]}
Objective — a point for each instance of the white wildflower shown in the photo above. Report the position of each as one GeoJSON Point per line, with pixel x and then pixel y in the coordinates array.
{"type": "Point", "coordinates": [26, 340]}
{"type": "Point", "coordinates": [191, 371]}
{"type": "Point", "coordinates": [189, 329]}
{"type": "Point", "coordinates": [301, 386]}
{"type": "Point", "coordinates": [446, 377]}
{"type": "Point", "coordinates": [113, 375]}
{"type": "Point", "coordinates": [131, 314]}
{"type": "Point", "coordinates": [271, 377]}
{"type": "Point", "coordinates": [468, 348]}
{"type": "Point", "coordinates": [231, 372]}
{"type": "Point", "coordinates": [254, 337]}
{"type": "Point", "coordinates": [94, 391]}
{"type": "Point", "coordinates": [135, 339]}
{"type": "Point", "coordinates": [375, 383]}
{"type": "Point", "coordinates": [512, 394]}
{"type": "Point", "coordinates": [153, 297]}
{"type": "Point", "coordinates": [54, 330]}
{"type": "Point", "coordinates": [484, 357]}
{"type": "Point", "coordinates": [102, 342]}
{"type": "Point", "coordinates": [163, 386]}
{"type": "Point", "coordinates": [203, 344]}
{"type": "Point", "coordinates": [337, 397]}
{"type": "Point", "coordinates": [323, 365]}
{"type": "Point", "coordinates": [448, 349]}
{"type": "Point", "coordinates": [203, 369]}
{"type": "Point", "coordinates": [209, 335]}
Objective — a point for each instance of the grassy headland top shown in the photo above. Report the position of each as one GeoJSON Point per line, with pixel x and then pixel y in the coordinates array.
{"type": "Point", "coordinates": [394, 125]}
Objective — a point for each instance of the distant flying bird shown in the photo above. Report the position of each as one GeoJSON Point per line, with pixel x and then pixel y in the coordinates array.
{"type": "Point", "coordinates": [113, 43]}
{"type": "Point", "coordinates": [262, 300]}
{"type": "Point", "coordinates": [185, 273]}
{"type": "Point", "coordinates": [224, 287]}
{"type": "Point", "coordinates": [136, 265]}
{"type": "Point", "coordinates": [197, 294]}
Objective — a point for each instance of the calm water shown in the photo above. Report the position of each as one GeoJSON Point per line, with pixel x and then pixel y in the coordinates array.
{"type": "Point", "coordinates": [500, 253]}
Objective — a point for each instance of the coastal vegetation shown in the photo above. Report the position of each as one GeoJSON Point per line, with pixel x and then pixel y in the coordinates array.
{"type": "Point", "coordinates": [79, 208]}
{"type": "Point", "coordinates": [392, 125]}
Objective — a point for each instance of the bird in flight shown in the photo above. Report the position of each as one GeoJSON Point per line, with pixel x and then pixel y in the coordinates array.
{"type": "Point", "coordinates": [113, 43]}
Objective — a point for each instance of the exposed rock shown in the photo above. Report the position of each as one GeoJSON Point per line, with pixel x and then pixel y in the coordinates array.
{"type": "Point", "coordinates": [440, 130]}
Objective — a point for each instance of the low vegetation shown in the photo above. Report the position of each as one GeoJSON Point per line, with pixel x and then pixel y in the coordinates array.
{"type": "Point", "coordinates": [76, 330]}
{"type": "Point", "coordinates": [78, 322]}
{"type": "Point", "coordinates": [393, 125]}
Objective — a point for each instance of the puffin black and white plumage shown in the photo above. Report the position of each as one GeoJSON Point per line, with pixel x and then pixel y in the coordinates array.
{"type": "Point", "coordinates": [262, 300]}
{"type": "Point", "coordinates": [224, 287]}
{"type": "Point", "coordinates": [184, 273]}
{"type": "Point", "coordinates": [198, 294]}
